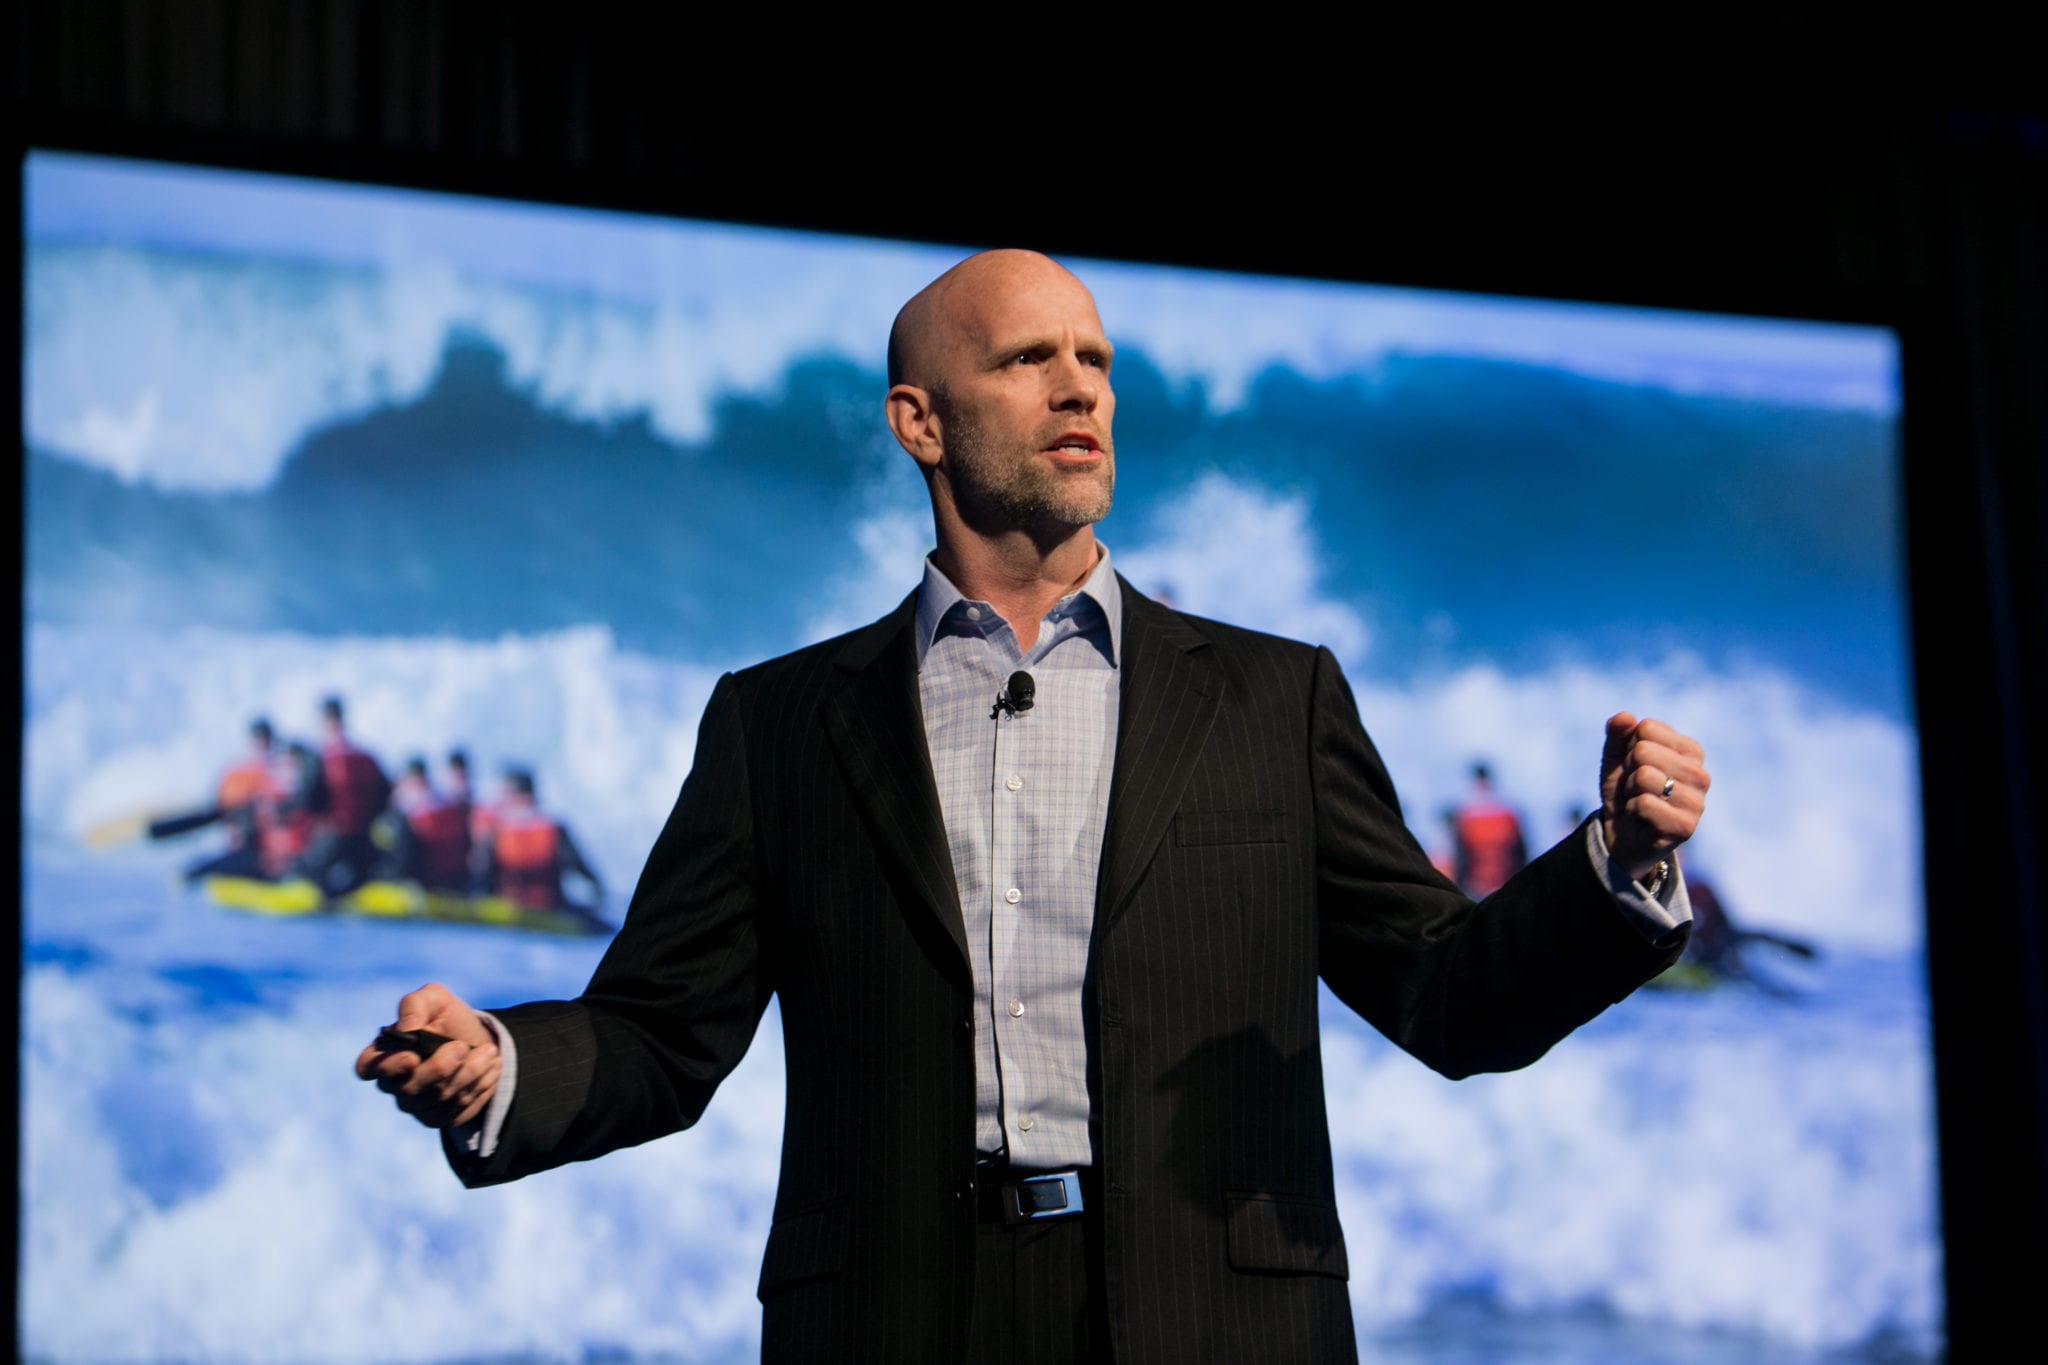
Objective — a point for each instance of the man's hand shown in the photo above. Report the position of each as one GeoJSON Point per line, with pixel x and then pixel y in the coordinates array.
{"type": "Point", "coordinates": [1652, 790]}
{"type": "Point", "coordinates": [455, 1084]}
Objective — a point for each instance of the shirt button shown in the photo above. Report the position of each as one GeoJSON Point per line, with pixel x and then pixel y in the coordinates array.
{"type": "Point", "coordinates": [1016, 1009]}
{"type": "Point", "coordinates": [1014, 783]}
{"type": "Point", "coordinates": [974, 613]}
{"type": "Point", "coordinates": [1025, 1124]}
{"type": "Point", "coordinates": [1013, 895]}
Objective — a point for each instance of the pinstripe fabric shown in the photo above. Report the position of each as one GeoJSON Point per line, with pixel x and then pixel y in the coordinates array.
{"type": "Point", "coordinates": [1033, 1301]}
{"type": "Point", "coordinates": [1252, 841]}
{"type": "Point", "coordinates": [1024, 796]}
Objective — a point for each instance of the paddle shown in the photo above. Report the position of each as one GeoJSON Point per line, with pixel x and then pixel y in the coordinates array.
{"type": "Point", "coordinates": [126, 829]}
{"type": "Point", "coordinates": [1796, 946]}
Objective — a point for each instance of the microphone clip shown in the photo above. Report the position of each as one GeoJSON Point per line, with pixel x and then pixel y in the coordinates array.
{"type": "Point", "coordinates": [1017, 697]}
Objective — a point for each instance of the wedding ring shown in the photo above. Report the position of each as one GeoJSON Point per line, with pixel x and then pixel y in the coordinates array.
{"type": "Point", "coordinates": [1669, 783]}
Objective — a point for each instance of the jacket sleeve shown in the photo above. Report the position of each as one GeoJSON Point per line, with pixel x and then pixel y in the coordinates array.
{"type": "Point", "coordinates": [675, 1002]}
{"type": "Point", "coordinates": [1464, 987]}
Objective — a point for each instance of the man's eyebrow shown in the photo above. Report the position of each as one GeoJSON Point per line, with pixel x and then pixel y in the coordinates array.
{"type": "Point", "coordinates": [998, 355]}
{"type": "Point", "coordinates": [1003, 350]}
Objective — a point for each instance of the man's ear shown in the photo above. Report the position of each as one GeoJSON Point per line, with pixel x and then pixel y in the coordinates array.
{"type": "Point", "coordinates": [915, 424]}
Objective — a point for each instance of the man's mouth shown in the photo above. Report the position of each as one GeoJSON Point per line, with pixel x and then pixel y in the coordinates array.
{"type": "Point", "coordinates": [1074, 445]}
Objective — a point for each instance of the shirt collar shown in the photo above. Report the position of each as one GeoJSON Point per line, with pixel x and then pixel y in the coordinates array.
{"type": "Point", "coordinates": [937, 596]}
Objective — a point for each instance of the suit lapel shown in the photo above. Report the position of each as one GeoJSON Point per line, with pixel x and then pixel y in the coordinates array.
{"type": "Point", "coordinates": [876, 727]}
{"type": "Point", "coordinates": [1168, 705]}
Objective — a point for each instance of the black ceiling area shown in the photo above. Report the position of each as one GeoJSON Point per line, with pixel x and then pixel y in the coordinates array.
{"type": "Point", "coordinates": [1930, 217]}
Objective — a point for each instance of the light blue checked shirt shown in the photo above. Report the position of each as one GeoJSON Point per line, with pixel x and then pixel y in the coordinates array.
{"type": "Point", "coordinates": [1025, 798]}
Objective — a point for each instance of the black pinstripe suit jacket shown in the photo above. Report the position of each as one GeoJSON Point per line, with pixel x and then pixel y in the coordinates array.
{"type": "Point", "coordinates": [1253, 843]}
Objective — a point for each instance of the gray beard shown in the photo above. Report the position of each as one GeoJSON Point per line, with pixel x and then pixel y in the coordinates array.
{"type": "Point", "coordinates": [998, 491]}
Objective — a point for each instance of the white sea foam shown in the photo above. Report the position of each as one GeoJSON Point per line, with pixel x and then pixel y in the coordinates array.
{"type": "Point", "coordinates": [204, 1169]}
{"type": "Point", "coordinates": [1677, 1169]}
{"type": "Point", "coordinates": [322, 1226]}
{"type": "Point", "coordinates": [1242, 553]}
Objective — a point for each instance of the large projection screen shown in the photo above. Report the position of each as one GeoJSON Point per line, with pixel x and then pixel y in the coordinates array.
{"type": "Point", "coordinates": [525, 480]}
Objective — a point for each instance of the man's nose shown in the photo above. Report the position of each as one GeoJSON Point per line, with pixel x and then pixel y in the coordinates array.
{"type": "Point", "coordinates": [1077, 387]}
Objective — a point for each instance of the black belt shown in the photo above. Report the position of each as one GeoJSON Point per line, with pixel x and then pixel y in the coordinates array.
{"type": "Point", "coordinates": [1016, 1194]}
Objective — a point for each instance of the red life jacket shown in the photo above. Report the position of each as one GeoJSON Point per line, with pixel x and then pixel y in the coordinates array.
{"type": "Point", "coordinates": [443, 833]}
{"type": "Point", "coordinates": [1490, 848]}
{"type": "Point", "coordinates": [241, 787]}
{"type": "Point", "coordinates": [356, 787]}
{"type": "Point", "coordinates": [281, 835]}
{"type": "Point", "coordinates": [243, 783]}
{"type": "Point", "coordinates": [459, 798]}
{"type": "Point", "coordinates": [526, 857]}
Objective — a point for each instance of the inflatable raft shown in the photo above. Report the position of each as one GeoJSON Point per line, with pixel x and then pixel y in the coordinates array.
{"type": "Point", "coordinates": [394, 901]}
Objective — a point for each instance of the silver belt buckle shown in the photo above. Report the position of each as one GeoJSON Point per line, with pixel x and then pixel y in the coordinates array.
{"type": "Point", "coordinates": [1045, 1196]}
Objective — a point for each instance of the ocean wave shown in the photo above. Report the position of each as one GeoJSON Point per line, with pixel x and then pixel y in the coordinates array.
{"type": "Point", "coordinates": [193, 366]}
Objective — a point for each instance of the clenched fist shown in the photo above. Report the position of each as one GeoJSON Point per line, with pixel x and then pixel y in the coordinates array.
{"type": "Point", "coordinates": [1652, 790]}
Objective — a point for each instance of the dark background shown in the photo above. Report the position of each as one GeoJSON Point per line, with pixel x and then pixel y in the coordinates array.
{"type": "Point", "coordinates": [1290, 152]}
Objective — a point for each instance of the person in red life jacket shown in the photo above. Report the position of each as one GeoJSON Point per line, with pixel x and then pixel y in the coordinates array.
{"type": "Point", "coordinates": [242, 787]}
{"type": "Point", "coordinates": [412, 790]}
{"type": "Point", "coordinates": [460, 795]}
{"type": "Point", "coordinates": [343, 855]}
{"type": "Point", "coordinates": [530, 851]}
{"type": "Point", "coordinates": [392, 831]}
{"type": "Point", "coordinates": [459, 792]}
{"type": "Point", "coordinates": [483, 825]}
{"type": "Point", "coordinates": [1487, 838]}
{"type": "Point", "coordinates": [425, 835]}
{"type": "Point", "coordinates": [288, 812]}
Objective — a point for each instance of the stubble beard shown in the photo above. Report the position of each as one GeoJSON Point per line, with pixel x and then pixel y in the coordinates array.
{"type": "Point", "coordinates": [999, 487]}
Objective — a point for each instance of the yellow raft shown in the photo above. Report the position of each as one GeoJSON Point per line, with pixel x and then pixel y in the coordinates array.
{"type": "Point", "coordinates": [393, 900]}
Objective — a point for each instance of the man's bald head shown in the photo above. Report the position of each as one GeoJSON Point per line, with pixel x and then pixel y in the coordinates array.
{"type": "Point", "coordinates": [999, 389]}
{"type": "Point", "coordinates": [944, 312]}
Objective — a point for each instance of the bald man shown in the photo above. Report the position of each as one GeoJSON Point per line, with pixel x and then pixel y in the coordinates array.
{"type": "Point", "coordinates": [1044, 875]}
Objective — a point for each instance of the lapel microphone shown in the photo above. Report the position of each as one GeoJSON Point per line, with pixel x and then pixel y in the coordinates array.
{"type": "Point", "coordinates": [1016, 695]}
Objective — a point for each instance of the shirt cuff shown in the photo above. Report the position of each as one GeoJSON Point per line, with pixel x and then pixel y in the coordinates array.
{"type": "Point", "coordinates": [1657, 918]}
{"type": "Point", "coordinates": [479, 1137]}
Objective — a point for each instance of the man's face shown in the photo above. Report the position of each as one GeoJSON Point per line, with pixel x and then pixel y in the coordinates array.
{"type": "Point", "coordinates": [1024, 406]}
